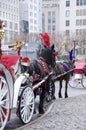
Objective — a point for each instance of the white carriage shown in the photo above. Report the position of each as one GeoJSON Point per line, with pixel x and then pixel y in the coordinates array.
{"type": "Point", "coordinates": [14, 93]}
{"type": "Point", "coordinates": [78, 80]}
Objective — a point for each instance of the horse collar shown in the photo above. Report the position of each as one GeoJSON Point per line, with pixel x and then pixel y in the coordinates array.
{"type": "Point", "coordinates": [42, 59]}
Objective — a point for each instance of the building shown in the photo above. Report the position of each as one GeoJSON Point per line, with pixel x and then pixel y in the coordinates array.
{"type": "Point", "coordinates": [30, 18]}
{"type": "Point", "coordinates": [50, 16]}
{"type": "Point", "coordinates": [9, 14]}
{"type": "Point", "coordinates": [67, 17]}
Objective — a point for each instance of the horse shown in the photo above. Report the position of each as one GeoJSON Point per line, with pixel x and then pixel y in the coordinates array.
{"type": "Point", "coordinates": [39, 69]}
{"type": "Point", "coordinates": [61, 70]}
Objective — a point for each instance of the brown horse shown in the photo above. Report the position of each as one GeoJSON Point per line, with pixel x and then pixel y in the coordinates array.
{"type": "Point", "coordinates": [63, 71]}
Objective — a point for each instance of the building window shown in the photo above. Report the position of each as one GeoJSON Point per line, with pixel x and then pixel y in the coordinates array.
{"type": "Point", "coordinates": [81, 12]}
{"type": "Point", "coordinates": [77, 23]}
{"type": "Point", "coordinates": [67, 3]}
{"type": "Point", "coordinates": [5, 23]}
{"type": "Point", "coordinates": [43, 22]}
{"type": "Point", "coordinates": [77, 13]}
{"type": "Point", "coordinates": [16, 26]}
{"type": "Point", "coordinates": [80, 22]}
{"type": "Point", "coordinates": [67, 22]}
{"type": "Point", "coordinates": [53, 28]}
{"type": "Point", "coordinates": [10, 25]}
{"type": "Point", "coordinates": [67, 32]}
{"type": "Point", "coordinates": [49, 17]}
{"type": "Point", "coordinates": [49, 28]}
{"type": "Point", "coordinates": [67, 13]}
{"type": "Point", "coordinates": [84, 2]}
{"type": "Point", "coordinates": [77, 31]}
{"type": "Point", "coordinates": [84, 21]}
{"type": "Point", "coordinates": [80, 2]}
{"type": "Point", "coordinates": [53, 17]}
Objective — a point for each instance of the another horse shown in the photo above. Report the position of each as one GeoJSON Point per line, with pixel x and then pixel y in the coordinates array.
{"type": "Point", "coordinates": [63, 71]}
{"type": "Point", "coordinates": [39, 69]}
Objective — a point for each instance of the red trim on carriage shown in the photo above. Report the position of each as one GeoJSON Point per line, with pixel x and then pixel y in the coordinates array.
{"type": "Point", "coordinates": [9, 61]}
{"type": "Point", "coordinates": [80, 66]}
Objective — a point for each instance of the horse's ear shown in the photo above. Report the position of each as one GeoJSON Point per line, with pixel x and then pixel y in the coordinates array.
{"type": "Point", "coordinates": [52, 47]}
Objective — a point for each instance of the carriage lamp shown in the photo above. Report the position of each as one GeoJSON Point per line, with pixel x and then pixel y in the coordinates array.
{"type": "Point", "coordinates": [1, 36]}
{"type": "Point", "coordinates": [1, 30]}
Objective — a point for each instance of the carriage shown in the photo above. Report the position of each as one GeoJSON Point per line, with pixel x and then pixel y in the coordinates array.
{"type": "Point", "coordinates": [12, 93]}
{"type": "Point", "coordinates": [78, 80]}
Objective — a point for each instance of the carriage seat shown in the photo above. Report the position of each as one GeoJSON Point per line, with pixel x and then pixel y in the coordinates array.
{"type": "Point", "coordinates": [11, 62]}
{"type": "Point", "coordinates": [80, 66]}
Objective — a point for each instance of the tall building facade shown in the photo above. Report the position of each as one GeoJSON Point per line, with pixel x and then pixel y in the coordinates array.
{"type": "Point", "coordinates": [67, 17]}
{"type": "Point", "coordinates": [9, 14]}
{"type": "Point", "coordinates": [50, 16]}
{"type": "Point", "coordinates": [30, 18]}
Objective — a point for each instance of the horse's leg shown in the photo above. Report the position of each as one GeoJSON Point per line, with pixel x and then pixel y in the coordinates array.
{"type": "Point", "coordinates": [60, 88]}
{"type": "Point", "coordinates": [35, 97]}
{"type": "Point", "coordinates": [41, 103]}
{"type": "Point", "coordinates": [66, 89]}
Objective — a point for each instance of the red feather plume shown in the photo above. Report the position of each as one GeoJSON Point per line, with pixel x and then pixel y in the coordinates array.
{"type": "Point", "coordinates": [46, 38]}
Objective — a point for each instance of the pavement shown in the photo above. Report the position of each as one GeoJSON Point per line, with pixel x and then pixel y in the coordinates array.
{"type": "Point", "coordinates": [63, 114]}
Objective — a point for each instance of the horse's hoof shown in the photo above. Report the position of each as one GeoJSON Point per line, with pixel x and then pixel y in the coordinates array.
{"type": "Point", "coordinates": [54, 97]}
{"type": "Point", "coordinates": [41, 111]}
{"type": "Point", "coordinates": [60, 96]}
{"type": "Point", "coordinates": [34, 112]}
{"type": "Point", "coordinates": [66, 96]}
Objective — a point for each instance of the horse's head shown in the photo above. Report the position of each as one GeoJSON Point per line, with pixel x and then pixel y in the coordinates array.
{"type": "Point", "coordinates": [49, 53]}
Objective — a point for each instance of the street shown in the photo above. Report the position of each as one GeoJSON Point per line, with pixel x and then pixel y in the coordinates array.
{"type": "Point", "coordinates": [15, 121]}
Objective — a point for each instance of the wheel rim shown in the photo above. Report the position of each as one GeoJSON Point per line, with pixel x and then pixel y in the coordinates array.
{"type": "Point", "coordinates": [84, 81]}
{"type": "Point", "coordinates": [4, 102]}
{"type": "Point", "coordinates": [26, 105]}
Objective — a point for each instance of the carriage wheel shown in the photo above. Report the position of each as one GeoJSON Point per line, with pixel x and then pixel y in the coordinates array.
{"type": "Point", "coordinates": [4, 102]}
{"type": "Point", "coordinates": [51, 91]}
{"type": "Point", "coordinates": [26, 105]}
{"type": "Point", "coordinates": [84, 81]}
{"type": "Point", "coordinates": [76, 83]}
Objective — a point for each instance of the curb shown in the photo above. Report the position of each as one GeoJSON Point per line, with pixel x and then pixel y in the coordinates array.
{"type": "Point", "coordinates": [39, 118]}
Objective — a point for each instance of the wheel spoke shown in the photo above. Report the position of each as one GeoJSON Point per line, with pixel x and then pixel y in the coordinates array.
{"type": "Point", "coordinates": [4, 93]}
{"type": "Point", "coordinates": [3, 112]}
{"type": "Point", "coordinates": [4, 102]}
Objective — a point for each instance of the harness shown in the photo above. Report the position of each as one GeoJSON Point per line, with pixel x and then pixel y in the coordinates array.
{"type": "Point", "coordinates": [42, 62]}
{"type": "Point", "coordinates": [40, 69]}
{"type": "Point", "coordinates": [66, 67]}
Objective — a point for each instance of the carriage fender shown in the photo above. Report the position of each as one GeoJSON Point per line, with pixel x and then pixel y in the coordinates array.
{"type": "Point", "coordinates": [17, 86]}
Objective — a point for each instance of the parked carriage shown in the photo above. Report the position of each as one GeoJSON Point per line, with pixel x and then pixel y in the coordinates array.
{"type": "Point", "coordinates": [79, 78]}
{"type": "Point", "coordinates": [12, 93]}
